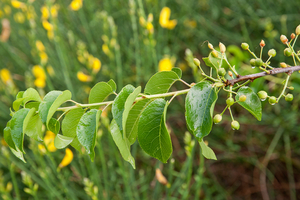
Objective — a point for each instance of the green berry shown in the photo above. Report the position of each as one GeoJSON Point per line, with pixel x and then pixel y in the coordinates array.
{"type": "Point", "coordinates": [262, 95]}
{"type": "Point", "coordinates": [196, 62]}
{"type": "Point", "coordinates": [221, 72]}
{"type": "Point", "coordinates": [272, 100]}
{"type": "Point", "coordinates": [242, 98]}
{"type": "Point", "coordinates": [289, 97]}
{"type": "Point", "coordinates": [217, 118]}
{"type": "Point", "coordinates": [272, 52]}
{"type": "Point", "coordinates": [252, 62]}
{"type": "Point", "coordinates": [287, 52]}
{"type": "Point", "coordinates": [258, 62]}
{"type": "Point", "coordinates": [214, 53]}
{"type": "Point", "coordinates": [230, 101]}
{"type": "Point", "coordinates": [235, 125]}
{"type": "Point", "coordinates": [245, 46]}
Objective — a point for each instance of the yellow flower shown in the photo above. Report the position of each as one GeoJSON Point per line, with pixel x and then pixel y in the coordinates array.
{"type": "Point", "coordinates": [39, 72]}
{"type": "Point", "coordinates": [5, 76]}
{"type": "Point", "coordinates": [96, 65]}
{"type": "Point", "coordinates": [81, 59]}
{"type": "Point", "coordinates": [50, 70]}
{"type": "Point", "coordinates": [42, 148]}
{"type": "Point", "coordinates": [67, 159]}
{"type": "Point", "coordinates": [47, 25]}
{"type": "Point", "coordinates": [105, 49]}
{"type": "Point", "coordinates": [17, 4]}
{"type": "Point", "coordinates": [40, 83]}
{"type": "Point", "coordinates": [39, 45]}
{"type": "Point", "coordinates": [45, 12]}
{"type": "Point", "coordinates": [142, 21]}
{"type": "Point", "coordinates": [7, 10]}
{"type": "Point", "coordinates": [76, 5]}
{"type": "Point", "coordinates": [44, 57]}
{"type": "Point", "coordinates": [164, 19]}
{"type": "Point", "coordinates": [19, 17]}
{"type": "Point", "coordinates": [90, 61]}
{"type": "Point", "coordinates": [83, 77]}
{"type": "Point", "coordinates": [165, 64]}
{"type": "Point", "coordinates": [53, 10]}
{"type": "Point", "coordinates": [49, 141]}
{"type": "Point", "coordinates": [149, 27]}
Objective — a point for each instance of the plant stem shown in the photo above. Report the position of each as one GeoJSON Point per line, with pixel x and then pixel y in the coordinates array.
{"type": "Point", "coordinates": [285, 85]}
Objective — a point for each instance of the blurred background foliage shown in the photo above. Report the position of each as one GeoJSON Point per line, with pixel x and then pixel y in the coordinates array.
{"type": "Point", "coordinates": [58, 45]}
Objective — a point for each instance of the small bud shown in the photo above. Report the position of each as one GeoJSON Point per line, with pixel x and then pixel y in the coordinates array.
{"type": "Point", "coordinates": [210, 46]}
{"type": "Point", "coordinates": [272, 52]}
{"type": "Point", "coordinates": [258, 62]}
{"type": "Point", "coordinates": [235, 125]}
{"type": "Point", "coordinates": [150, 17]}
{"type": "Point", "coordinates": [289, 97]}
{"type": "Point", "coordinates": [230, 101]}
{"type": "Point", "coordinates": [293, 36]}
{"type": "Point", "coordinates": [221, 72]}
{"type": "Point", "coordinates": [197, 62]}
{"type": "Point", "coordinates": [214, 53]}
{"type": "Point", "coordinates": [230, 73]}
{"type": "Point", "coordinates": [222, 47]}
{"type": "Point", "coordinates": [262, 43]}
{"type": "Point", "coordinates": [242, 98]}
{"type": "Point", "coordinates": [297, 30]}
{"type": "Point", "coordinates": [291, 88]}
{"type": "Point", "coordinates": [252, 62]}
{"type": "Point", "coordinates": [192, 84]}
{"type": "Point", "coordinates": [262, 95]}
{"type": "Point", "coordinates": [217, 118]}
{"type": "Point", "coordinates": [272, 100]}
{"type": "Point", "coordinates": [283, 65]}
{"type": "Point", "coordinates": [245, 46]}
{"type": "Point", "coordinates": [284, 39]}
{"type": "Point", "coordinates": [287, 52]}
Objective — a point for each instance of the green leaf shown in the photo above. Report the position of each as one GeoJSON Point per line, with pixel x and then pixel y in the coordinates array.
{"type": "Point", "coordinates": [18, 154]}
{"type": "Point", "coordinates": [112, 84]}
{"type": "Point", "coordinates": [252, 103]}
{"type": "Point", "coordinates": [177, 71]}
{"type": "Point", "coordinates": [128, 104]}
{"type": "Point", "coordinates": [31, 95]}
{"type": "Point", "coordinates": [16, 125]}
{"type": "Point", "coordinates": [54, 126]}
{"type": "Point", "coordinates": [32, 105]}
{"type": "Point", "coordinates": [119, 103]}
{"type": "Point", "coordinates": [122, 143]}
{"type": "Point", "coordinates": [215, 62]}
{"type": "Point", "coordinates": [34, 128]}
{"type": "Point", "coordinates": [61, 141]}
{"type": "Point", "coordinates": [19, 95]}
{"type": "Point", "coordinates": [161, 82]}
{"type": "Point", "coordinates": [8, 138]}
{"type": "Point", "coordinates": [51, 102]}
{"type": "Point", "coordinates": [99, 92]}
{"type": "Point", "coordinates": [69, 125]}
{"type": "Point", "coordinates": [153, 135]}
{"type": "Point", "coordinates": [199, 106]}
{"type": "Point", "coordinates": [87, 129]}
{"type": "Point", "coordinates": [133, 119]}
{"type": "Point", "coordinates": [17, 103]}
{"type": "Point", "coordinates": [206, 151]}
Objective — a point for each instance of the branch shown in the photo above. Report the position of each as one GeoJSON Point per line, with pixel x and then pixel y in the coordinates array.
{"type": "Point", "coordinates": [251, 77]}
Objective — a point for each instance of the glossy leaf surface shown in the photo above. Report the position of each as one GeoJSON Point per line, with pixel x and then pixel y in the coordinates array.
{"type": "Point", "coordinates": [54, 126]}
{"type": "Point", "coordinates": [252, 103]}
{"type": "Point", "coordinates": [34, 128]}
{"type": "Point", "coordinates": [161, 82]}
{"type": "Point", "coordinates": [8, 138]}
{"type": "Point", "coordinates": [153, 135]}
{"type": "Point", "coordinates": [128, 104]}
{"type": "Point", "coordinates": [112, 84]}
{"type": "Point", "coordinates": [86, 130]}
{"type": "Point", "coordinates": [133, 119]}
{"type": "Point", "coordinates": [119, 104]}
{"type": "Point", "coordinates": [122, 143]}
{"type": "Point", "coordinates": [61, 141]}
{"type": "Point", "coordinates": [99, 93]}
{"type": "Point", "coordinates": [199, 106]}
{"type": "Point", "coordinates": [69, 125]}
